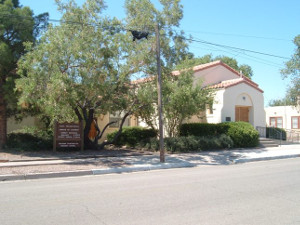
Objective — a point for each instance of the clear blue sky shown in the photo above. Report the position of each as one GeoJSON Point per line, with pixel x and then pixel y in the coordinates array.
{"type": "Point", "coordinates": [266, 26]}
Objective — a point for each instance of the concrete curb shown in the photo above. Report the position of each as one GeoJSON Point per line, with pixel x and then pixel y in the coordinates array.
{"type": "Point", "coordinates": [237, 161]}
{"type": "Point", "coordinates": [142, 167]}
{"type": "Point", "coordinates": [135, 168]}
{"type": "Point", "coordinates": [11, 177]}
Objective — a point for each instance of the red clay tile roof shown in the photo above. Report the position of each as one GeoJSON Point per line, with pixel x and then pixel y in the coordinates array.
{"type": "Point", "coordinates": [224, 84]}
{"type": "Point", "coordinates": [143, 80]}
{"type": "Point", "coordinates": [233, 82]}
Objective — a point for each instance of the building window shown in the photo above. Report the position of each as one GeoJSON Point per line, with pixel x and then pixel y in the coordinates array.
{"type": "Point", "coordinates": [276, 122]}
{"type": "Point", "coordinates": [295, 122]}
{"type": "Point", "coordinates": [209, 109]}
{"type": "Point", "coordinates": [117, 118]}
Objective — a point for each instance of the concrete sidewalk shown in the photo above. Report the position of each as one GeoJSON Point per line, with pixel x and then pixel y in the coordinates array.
{"type": "Point", "coordinates": [93, 165]}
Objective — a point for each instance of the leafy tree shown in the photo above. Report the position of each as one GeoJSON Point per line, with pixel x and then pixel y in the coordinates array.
{"type": "Point", "coordinates": [280, 102]}
{"type": "Point", "coordinates": [17, 25]}
{"type": "Point", "coordinates": [182, 99]}
{"type": "Point", "coordinates": [245, 69]}
{"type": "Point", "coordinates": [290, 97]}
{"type": "Point", "coordinates": [77, 70]}
{"type": "Point", "coordinates": [143, 16]}
{"type": "Point", "coordinates": [292, 68]}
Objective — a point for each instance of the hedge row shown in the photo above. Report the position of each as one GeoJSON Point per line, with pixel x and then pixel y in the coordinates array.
{"type": "Point", "coordinates": [190, 143]}
{"type": "Point", "coordinates": [132, 136]}
{"type": "Point", "coordinates": [243, 134]}
{"type": "Point", "coordinates": [30, 138]}
{"type": "Point", "coordinates": [276, 133]}
{"type": "Point", "coordinates": [193, 137]}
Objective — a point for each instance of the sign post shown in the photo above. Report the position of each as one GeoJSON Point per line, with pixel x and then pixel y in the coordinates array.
{"type": "Point", "coordinates": [68, 135]}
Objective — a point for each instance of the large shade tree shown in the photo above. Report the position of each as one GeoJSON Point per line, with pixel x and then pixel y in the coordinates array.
{"type": "Point", "coordinates": [17, 25]}
{"type": "Point", "coordinates": [292, 69]}
{"type": "Point", "coordinates": [181, 98]}
{"type": "Point", "coordinates": [78, 69]}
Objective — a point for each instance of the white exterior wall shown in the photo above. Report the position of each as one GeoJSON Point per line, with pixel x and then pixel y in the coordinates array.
{"type": "Point", "coordinates": [213, 75]}
{"type": "Point", "coordinates": [286, 112]}
{"type": "Point", "coordinates": [216, 117]}
{"type": "Point", "coordinates": [244, 95]}
{"type": "Point", "coordinates": [227, 99]}
{"type": "Point", "coordinates": [13, 125]}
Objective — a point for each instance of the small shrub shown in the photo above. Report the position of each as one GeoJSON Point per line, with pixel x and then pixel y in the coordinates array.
{"type": "Point", "coordinates": [151, 144]}
{"type": "Point", "coordinates": [276, 133]}
{"type": "Point", "coordinates": [30, 138]}
{"type": "Point", "coordinates": [192, 143]}
{"type": "Point", "coordinates": [132, 136]}
{"type": "Point", "coordinates": [243, 134]}
{"type": "Point", "coordinates": [203, 129]}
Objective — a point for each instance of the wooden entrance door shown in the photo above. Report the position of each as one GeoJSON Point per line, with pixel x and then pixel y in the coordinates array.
{"type": "Point", "coordinates": [242, 114]}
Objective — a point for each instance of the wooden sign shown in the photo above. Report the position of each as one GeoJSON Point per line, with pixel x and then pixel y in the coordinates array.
{"type": "Point", "coordinates": [68, 135]}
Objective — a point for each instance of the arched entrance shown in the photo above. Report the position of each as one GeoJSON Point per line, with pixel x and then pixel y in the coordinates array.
{"type": "Point", "coordinates": [244, 108]}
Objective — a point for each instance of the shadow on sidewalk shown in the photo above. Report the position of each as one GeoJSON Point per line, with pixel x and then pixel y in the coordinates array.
{"type": "Point", "coordinates": [15, 155]}
{"type": "Point", "coordinates": [216, 157]}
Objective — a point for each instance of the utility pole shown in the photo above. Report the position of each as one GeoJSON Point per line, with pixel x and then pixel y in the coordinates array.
{"type": "Point", "coordinates": [160, 114]}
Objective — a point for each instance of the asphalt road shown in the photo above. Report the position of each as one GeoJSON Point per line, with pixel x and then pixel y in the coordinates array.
{"type": "Point", "coordinates": [253, 193]}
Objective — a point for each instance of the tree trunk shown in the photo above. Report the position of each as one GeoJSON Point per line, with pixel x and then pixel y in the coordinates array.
{"type": "Point", "coordinates": [88, 117]}
{"type": "Point", "coordinates": [3, 119]}
{"type": "Point", "coordinates": [103, 144]}
{"type": "Point", "coordinates": [88, 144]}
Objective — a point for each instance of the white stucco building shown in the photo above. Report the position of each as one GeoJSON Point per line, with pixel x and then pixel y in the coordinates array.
{"type": "Point", "coordinates": [237, 97]}
{"type": "Point", "coordinates": [287, 117]}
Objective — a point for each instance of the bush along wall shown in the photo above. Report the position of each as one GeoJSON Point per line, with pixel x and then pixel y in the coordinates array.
{"type": "Point", "coordinates": [241, 133]}
{"type": "Point", "coordinates": [276, 133]}
{"type": "Point", "coordinates": [190, 143]}
{"type": "Point", "coordinates": [30, 138]}
{"type": "Point", "coordinates": [195, 144]}
{"type": "Point", "coordinates": [132, 136]}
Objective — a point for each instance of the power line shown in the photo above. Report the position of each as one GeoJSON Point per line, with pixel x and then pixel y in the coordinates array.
{"type": "Point", "coordinates": [238, 35]}
{"type": "Point", "coordinates": [231, 47]}
{"type": "Point", "coordinates": [123, 28]}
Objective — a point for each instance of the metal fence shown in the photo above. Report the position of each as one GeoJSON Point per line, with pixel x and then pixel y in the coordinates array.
{"type": "Point", "coordinates": [291, 136]}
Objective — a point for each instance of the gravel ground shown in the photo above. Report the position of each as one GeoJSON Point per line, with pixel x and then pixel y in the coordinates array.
{"type": "Point", "coordinates": [93, 160]}
{"type": "Point", "coordinates": [14, 155]}
{"type": "Point", "coordinates": [60, 167]}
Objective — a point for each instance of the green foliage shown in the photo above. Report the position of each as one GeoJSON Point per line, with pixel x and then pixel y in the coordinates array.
{"type": "Point", "coordinates": [276, 133]}
{"type": "Point", "coordinates": [203, 129]}
{"type": "Point", "coordinates": [150, 144]}
{"type": "Point", "coordinates": [17, 25]}
{"type": "Point", "coordinates": [75, 66]}
{"type": "Point", "coordinates": [79, 69]}
{"type": "Point", "coordinates": [281, 102]}
{"type": "Point", "coordinates": [30, 138]}
{"type": "Point", "coordinates": [132, 136]}
{"type": "Point", "coordinates": [182, 98]}
{"type": "Point", "coordinates": [142, 15]}
{"type": "Point", "coordinates": [193, 143]}
{"type": "Point", "coordinates": [292, 69]}
{"type": "Point", "coordinates": [242, 134]}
